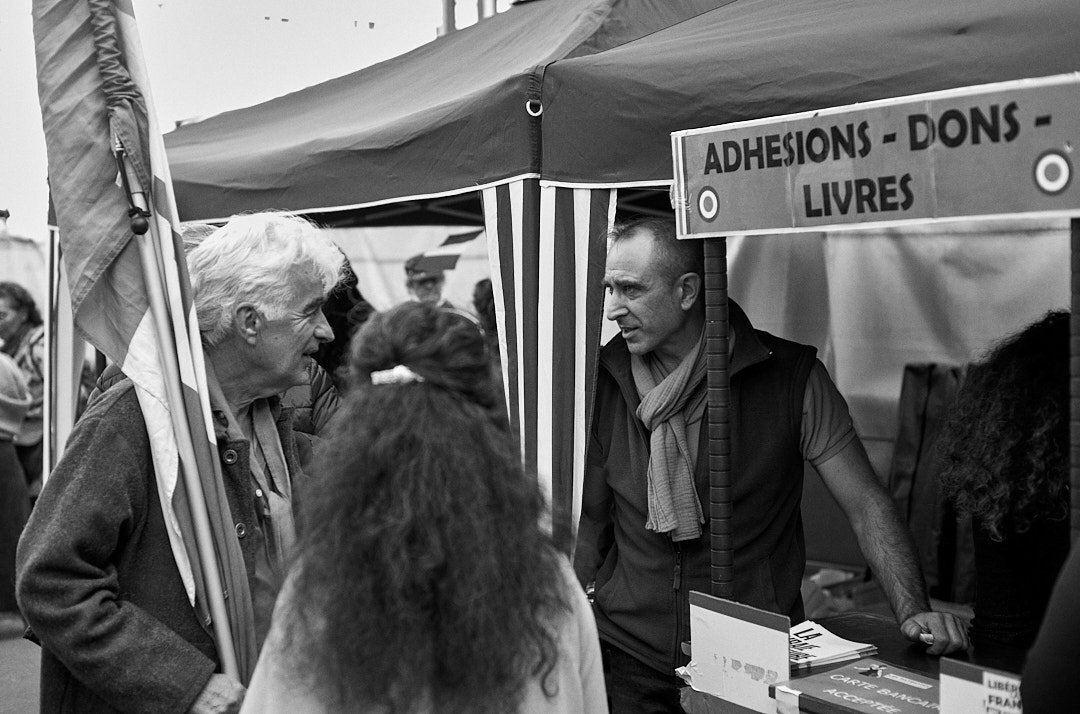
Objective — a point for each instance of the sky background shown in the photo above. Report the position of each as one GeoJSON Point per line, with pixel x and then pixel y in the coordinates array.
{"type": "Point", "coordinates": [205, 57]}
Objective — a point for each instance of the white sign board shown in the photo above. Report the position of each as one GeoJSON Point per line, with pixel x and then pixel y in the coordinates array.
{"type": "Point", "coordinates": [989, 151]}
{"type": "Point", "coordinates": [737, 651]}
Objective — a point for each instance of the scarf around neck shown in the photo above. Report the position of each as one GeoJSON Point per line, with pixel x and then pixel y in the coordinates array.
{"type": "Point", "coordinates": [666, 401]}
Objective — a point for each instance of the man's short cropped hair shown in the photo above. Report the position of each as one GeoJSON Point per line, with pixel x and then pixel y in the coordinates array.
{"type": "Point", "coordinates": [674, 257]}
{"type": "Point", "coordinates": [257, 258]}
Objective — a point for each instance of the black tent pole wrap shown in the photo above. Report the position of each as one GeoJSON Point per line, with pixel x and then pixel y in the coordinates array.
{"type": "Point", "coordinates": [722, 575]}
{"type": "Point", "coordinates": [1074, 377]}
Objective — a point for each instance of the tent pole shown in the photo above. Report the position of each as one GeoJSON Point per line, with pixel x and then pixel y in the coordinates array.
{"type": "Point", "coordinates": [448, 18]}
{"type": "Point", "coordinates": [1074, 375]}
{"type": "Point", "coordinates": [716, 350]}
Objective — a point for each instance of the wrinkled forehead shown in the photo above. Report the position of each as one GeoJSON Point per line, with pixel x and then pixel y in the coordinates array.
{"type": "Point", "coordinates": [305, 291]}
{"type": "Point", "coordinates": [636, 254]}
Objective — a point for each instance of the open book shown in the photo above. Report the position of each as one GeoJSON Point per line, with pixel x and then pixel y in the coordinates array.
{"type": "Point", "coordinates": [811, 645]}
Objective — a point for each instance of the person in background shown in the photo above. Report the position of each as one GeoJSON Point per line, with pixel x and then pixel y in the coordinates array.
{"type": "Point", "coordinates": [484, 305]}
{"type": "Point", "coordinates": [346, 310]}
{"type": "Point", "coordinates": [643, 536]}
{"type": "Point", "coordinates": [14, 497]}
{"type": "Point", "coordinates": [424, 581]}
{"type": "Point", "coordinates": [483, 298]}
{"type": "Point", "coordinates": [1004, 449]}
{"type": "Point", "coordinates": [97, 578]}
{"type": "Point", "coordinates": [424, 284]}
{"type": "Point", "coordinates": [23, 335]}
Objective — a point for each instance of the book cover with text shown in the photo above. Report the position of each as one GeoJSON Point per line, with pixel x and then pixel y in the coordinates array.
{"type": "Point", "coordinates": [866, 685]}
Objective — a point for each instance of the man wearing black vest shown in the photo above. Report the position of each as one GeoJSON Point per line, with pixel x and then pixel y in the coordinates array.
{"type": "Point", "coordinates": [643, 538]}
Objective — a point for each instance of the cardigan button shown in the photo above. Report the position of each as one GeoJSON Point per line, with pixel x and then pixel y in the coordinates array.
{"type": "Point", "coordinates": [241, 530]}
{"type": "Point", "coordinates": [230, 456]}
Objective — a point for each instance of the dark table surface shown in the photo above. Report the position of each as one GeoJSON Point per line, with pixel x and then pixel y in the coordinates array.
{"type": "Point", "coordinates": [896, 649]}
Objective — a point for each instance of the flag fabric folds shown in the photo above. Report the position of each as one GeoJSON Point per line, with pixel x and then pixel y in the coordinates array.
{"type": "Point", "coordinates": [130, 294]}
{"type": "Point", "coordinates": [547, 246]}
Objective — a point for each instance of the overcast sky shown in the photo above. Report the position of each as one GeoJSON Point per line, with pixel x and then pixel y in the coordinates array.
{"type": "Point", "coordinates": [205, 57]}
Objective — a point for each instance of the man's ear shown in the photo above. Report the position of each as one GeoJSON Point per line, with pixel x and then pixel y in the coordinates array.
{"type": "Point", "coordinates": [248, 321]}
{"type": "Point", "coordinates": [689, 289]}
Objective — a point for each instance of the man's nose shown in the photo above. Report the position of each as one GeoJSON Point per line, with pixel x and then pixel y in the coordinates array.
{"type": "Point", "coordinates": [615, 309]}
{"type": "Point", "coordinates": [323, 331]}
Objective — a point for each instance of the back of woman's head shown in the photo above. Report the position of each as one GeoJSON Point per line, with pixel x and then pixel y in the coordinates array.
{"type": "Point", "coordinates": [442, 346]}
{"type": "Point", "coordinates": [1005, 443]}
{"type": "Point", "coordinates": [423, 570]}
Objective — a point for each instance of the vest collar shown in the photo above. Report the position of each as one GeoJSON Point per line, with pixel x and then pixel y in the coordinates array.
{"type": "Point", "coordinates": [749, 349]}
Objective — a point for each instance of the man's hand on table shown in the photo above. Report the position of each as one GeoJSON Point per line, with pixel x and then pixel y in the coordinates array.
{"type": "Point", "coordinates": [942, 631]}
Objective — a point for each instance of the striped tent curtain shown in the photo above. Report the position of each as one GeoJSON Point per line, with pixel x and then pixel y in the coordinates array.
{"type": "Point", "coordinates": [546, 247]}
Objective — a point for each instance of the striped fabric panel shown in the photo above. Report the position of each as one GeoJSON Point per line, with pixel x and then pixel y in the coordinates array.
{"type": "Point", "coordinates": [591, 264]}
{"type": "Point", "coordinates": [547, 267]}
{"type": "Point", "coordinates": [574, 228]}
{"type": "Point", "coordinates": [528, 278]}
{"type": "Point", "coordinates": [498, 222]}
{"type": "Point", "coordinates": [511, 215]}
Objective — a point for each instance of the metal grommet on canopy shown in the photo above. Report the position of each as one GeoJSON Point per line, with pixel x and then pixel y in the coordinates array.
{"type": "Point", "coordinates": [534, 107]}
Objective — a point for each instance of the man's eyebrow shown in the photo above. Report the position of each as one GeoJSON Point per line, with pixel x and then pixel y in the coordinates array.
{"type": "Point", "coordinates": [622, 282]}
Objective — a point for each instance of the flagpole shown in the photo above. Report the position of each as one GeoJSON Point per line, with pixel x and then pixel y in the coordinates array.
{"type": "Point", "coordinates": [204, 542]}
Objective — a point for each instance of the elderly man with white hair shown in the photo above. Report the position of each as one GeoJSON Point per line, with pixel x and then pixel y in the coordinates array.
{"type": "Point", "coordinates": [96, 577]}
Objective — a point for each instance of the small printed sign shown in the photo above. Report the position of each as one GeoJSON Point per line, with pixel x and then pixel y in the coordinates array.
{"type": "Point", "coordinates": [987, 151]}
{"type": "Point", "coordinates": [970, 689]}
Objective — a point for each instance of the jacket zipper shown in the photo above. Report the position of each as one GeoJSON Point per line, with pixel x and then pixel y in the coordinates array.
{"type": "Point", "coordinates": [676, 587]}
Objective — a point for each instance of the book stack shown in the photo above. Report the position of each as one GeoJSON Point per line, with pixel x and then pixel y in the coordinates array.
{"type": "Point", "coordinates": [812, 646]}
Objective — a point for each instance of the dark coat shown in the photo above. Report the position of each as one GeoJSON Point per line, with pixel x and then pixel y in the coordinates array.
{"type": "Point", "coordinates": [96, 577]}
{"type": "Point", "coordinates": [642, 578]}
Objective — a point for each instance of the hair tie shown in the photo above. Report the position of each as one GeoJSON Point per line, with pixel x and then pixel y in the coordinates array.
{"type": "Point", "coordinates": [399, 374]}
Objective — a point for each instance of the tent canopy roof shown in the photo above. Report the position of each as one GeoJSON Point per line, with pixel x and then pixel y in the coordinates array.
{"type": "Point", "coordinates": [446, 117]}
{"type": "Point", "coordinates": [615, 77]}
{"type": "Point", "coordinates": [760, 58]}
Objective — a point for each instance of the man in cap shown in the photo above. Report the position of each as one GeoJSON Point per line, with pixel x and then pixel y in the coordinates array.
{"type": "Point", "coordinates": [425, 283]}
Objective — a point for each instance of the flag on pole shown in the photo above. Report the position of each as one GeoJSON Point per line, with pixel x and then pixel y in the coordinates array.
{"type": "Point", "coordinates": [130, 294]}
{"type": "Point", "coordinates": [445, 256]}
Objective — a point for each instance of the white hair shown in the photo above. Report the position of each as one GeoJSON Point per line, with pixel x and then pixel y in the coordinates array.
{"type": "Point", "coordinates": [257, 258]}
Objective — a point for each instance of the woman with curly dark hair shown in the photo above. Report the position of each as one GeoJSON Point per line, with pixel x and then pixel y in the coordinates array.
{"type": "Point", "coordinates": [1005, 461]}
{"type": "Point", "coordinates": [424, 581]}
